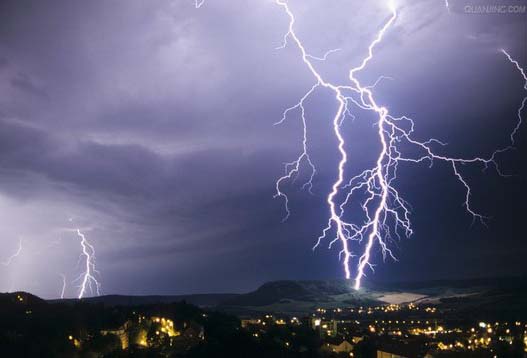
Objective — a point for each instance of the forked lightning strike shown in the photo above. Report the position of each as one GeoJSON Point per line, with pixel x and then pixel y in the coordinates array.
{"type": "Point", "coordinates": [87, 278]}
{"type": "Point", "coordinates": [10, 259]}
{"type": "Point", "coordinates": [384, 212]}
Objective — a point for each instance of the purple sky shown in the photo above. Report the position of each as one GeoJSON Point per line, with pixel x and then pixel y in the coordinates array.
{"type": "Point", "coordinates": [150, 125]}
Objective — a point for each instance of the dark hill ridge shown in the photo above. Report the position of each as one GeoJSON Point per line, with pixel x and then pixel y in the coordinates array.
{"type": "Point", "coordinates": [267, 294]}
{"type": "Point", "coordinates": [202, 300]}
{"type": "Point", "coordinates": [20, 302]}
{"type": "Point", "coordinates": [490, 282]}
{"type": "Point", "coordinates": [272, 292]}
{"type": "Point", "coordinates": [18, 298]}
{"type": "Point", "coordinates": [297, 297]}
{"type": "Point", "coordinates": [304, 296]}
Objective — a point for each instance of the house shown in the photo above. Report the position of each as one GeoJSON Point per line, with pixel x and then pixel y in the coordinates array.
{"type": "Point", "coordinates": [383, 354]}
{"type": "Point", "coordinates": [337, 345]}
{"type": "Point", "coordinates": [400, 350]}
{"type": "Point", "coordinates": [324, 327]}
{"type": "Point", "coordinates": [344, 347]}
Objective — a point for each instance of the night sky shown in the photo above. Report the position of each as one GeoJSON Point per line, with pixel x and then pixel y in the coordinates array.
{"type": "Point", "coordinates": [149, 125]}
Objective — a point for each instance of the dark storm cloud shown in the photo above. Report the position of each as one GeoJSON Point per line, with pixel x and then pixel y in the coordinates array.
{"type": "Point", "coordinates": [87, 165]}
{"type": "Point", "coordinates": [24, 83]}
{"type": "Point", "coordinates": [150, 124]}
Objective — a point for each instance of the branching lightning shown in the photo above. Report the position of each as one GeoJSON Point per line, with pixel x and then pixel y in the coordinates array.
{"type": "Point", "coordinates": [87, 278]}
{"type": "Point", "coordinates": [522, 106]}
{"type": "Point", "coordinates": [198, 3]}
{"type": "Point", "coordinates": [10, 259]}
{"type": "Point", "coordinates": [385, 213]}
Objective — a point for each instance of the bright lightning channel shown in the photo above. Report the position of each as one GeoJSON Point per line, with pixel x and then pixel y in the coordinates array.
{"type": "Point", "coordinates": [522, 106]}
{"type": "Point", "coordinates": [10, 259]}
{"type": "Point", "coordinates": [384, 212]}
{"type": "Point", "coordinates": [198, 3]}
{"type": "Point", "coordinates": [87, 278]}
{"type": "Point", "coordinates": [63, 290]}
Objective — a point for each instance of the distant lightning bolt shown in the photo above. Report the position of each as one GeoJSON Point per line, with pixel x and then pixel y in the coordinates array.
{"type": "Point", "coordinates": [87, 278]}
{"type": "Point", "coordinates": [522, 106]}
{"type": "Point", "coordinates": [8, 261]}
{"type": "Point", "coordinates": [198, 3]}
{"type": "Point", "coordinates": [63, 290]}
{"type": "Point", "coordinates": [384, 212]}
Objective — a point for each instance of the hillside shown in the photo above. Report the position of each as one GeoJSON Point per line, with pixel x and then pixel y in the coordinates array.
{"type": "Point", "coordinates": [494, 295]}
{"type": "Point", "coordinates": [202, 300]}
{"type": "Point", "coordinates": [19, 301]}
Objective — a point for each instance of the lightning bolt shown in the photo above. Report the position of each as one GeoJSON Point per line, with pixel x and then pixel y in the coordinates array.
{"type": "Point", "coordinates": [522, 106]}
{"type": "Point", "coordinates": [63, 290]}
{"type": "Point", "coordinates": [8, 261]}
{"type": "Point", "coordinates": [87, 278]}
{"type": "Point", "coordinates": [198, 3]}
{"type": "Point", "coordinates": [384, 212]}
